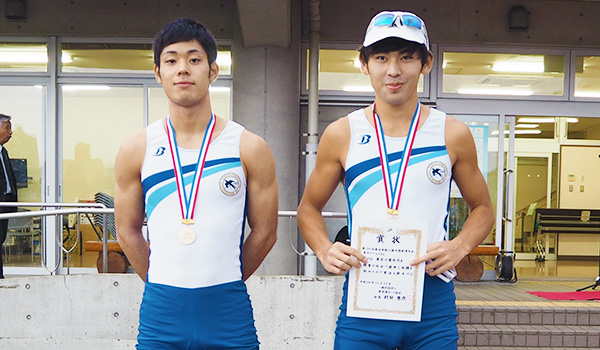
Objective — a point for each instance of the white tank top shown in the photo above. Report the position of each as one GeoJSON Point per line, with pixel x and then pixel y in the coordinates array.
{"type": "Point", "coordinates": [215, 256]}
{"type": "Point", "coordinates": [426, 189]}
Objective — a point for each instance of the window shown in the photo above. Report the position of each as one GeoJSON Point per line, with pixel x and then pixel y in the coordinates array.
{"type": "Point", "coordinates": [587, 77]}
{"type": "Point", "coordinates": [107, 58]}
{"type": "Point", "coordinates": [121, 58]}
{"type": "Point", "coordinates": [503, 74]}
{"type": "Point", "coordinates": [484, 129]}
{"type": "Point", "coordinates": [583, 128]}
{"type": "Point", "coordinates": [573, 128]}
{"type": "Point", "coordinates": [96, 120]}
{"type": "Point", "coordinates": [95, 123]}
{"type": "Point", "coordinates": [23, 57]}
{"type": "Point", "coordinates": [535, 127]}
{"type": "Point", "coordinates": [25, 104]}
{"type": "Point", "coordinates": [339, 70]}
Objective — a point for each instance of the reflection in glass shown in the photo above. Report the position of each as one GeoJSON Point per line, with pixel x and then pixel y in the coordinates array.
{"type": "Point", "coordinates": [534, 127]}
{"type": "Point", "coordinates": [107, 58]}
{"type": "Point", "coordinates": [487, 158]}
{"type": "Point", "coordinates": [30, 57]}
{"type": "Point", "coordinates": [121, 58]}
{"type": "Point", "coordinates": [339, 70]}
{"type": "Point", "coordinates": [531, 193]}
{"type": "Point", "coordinates": [503, 74]}
{"type": "Point", "coordinates": [584, 129]}
{"type": "Point", "coordinates": [95, 123]}
{"type": "Point", "coordinates": [25, 104]}
{"type": "Point", "coordinates": [587, 76]}
{"type": "Point", "coordinates": [224, 60]}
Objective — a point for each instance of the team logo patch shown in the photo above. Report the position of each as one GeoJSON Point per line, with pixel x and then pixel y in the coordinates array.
{"type": "Point", "coordinates": [230, 184]}
{"type": "Point", "coordinates": [159, 151]}
{"type": "Point", "coordinates": [437, 172]}
{"type": "Point", "coordinates": [364, 139]}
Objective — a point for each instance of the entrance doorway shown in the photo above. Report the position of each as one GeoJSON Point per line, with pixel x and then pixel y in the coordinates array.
{"type": "Point", "coordinates": [535, 185]}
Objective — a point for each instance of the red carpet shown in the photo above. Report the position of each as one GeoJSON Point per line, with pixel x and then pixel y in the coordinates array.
{"type": "Point", "coordinates": [583, 295]}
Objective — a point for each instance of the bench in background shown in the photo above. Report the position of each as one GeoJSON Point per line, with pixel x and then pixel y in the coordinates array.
{"type": "Point", "coordinates": [563, 221]}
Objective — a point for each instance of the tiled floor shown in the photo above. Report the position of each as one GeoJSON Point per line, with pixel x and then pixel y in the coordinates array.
{"type": "Point", "coordinates": [553, 276]}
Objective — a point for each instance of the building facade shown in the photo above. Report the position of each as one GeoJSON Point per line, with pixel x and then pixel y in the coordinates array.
{"type": "Point", "coordinates": [77, 78]}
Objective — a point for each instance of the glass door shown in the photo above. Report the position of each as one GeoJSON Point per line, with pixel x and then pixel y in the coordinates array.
{"type": "Point", "coordinates": [535, 186]}
{"type": "Point", "coordinates": [95, 121]}
{"type": "Point", "coordinates": [25, 104]}
{"type": "Point", "coordinates": [486, 136]}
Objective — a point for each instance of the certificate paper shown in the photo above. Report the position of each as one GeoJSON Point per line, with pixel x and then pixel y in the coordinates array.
{"type": "Point", "coordinates": [387, 287]}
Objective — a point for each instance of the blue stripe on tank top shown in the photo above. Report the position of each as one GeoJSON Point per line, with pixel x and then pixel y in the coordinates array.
{"type": "Point", "coordinates": [164, 191]}
{"type": "Point", "coordinates": [366, 182]}
{"type": "Point", "coordinates": [242, 237]}
{"type": "Point", "coordinates": [354, 171]}
{"type": "Point", "coordinates": [349, 213]}
{"type": "Point", "coordinates": [448, 209]}
{"type": "Point", "coordinates": [159, 177]}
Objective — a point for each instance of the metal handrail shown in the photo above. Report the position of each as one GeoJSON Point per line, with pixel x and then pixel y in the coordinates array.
{"type": "Point", "coordinates": [32, 204]}
{"type": "Point", "coordinates": [326, 214]}
{"type": "Point", "coordinates": [99, 208]}
{"type": "Point", "coordinates": [93, 208]}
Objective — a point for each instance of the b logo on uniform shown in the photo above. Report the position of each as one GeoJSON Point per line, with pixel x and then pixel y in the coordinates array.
{"type": "Point", "coordinates": [364, 139]}
{"type": "Point", "coordinates": [159, 151]}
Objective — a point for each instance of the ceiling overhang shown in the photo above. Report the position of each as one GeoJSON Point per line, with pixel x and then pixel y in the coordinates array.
{"type": "Point", "coordinates": [265, 22]}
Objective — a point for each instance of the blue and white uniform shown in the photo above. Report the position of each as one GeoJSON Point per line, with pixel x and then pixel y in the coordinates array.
{"type": "Point", "coordinates": [425, 196]}
{"type": "Point", "coordinates": [194, 296]}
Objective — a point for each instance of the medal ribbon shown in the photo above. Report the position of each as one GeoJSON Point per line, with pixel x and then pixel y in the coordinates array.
{"type": "Point", "coordinates": [392, 193]}
{"type": "Point", "coordinates": [188, 203]}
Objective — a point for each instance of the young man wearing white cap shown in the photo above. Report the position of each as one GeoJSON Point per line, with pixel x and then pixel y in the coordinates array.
{"type": "Point", "coordinates": [358, 149]}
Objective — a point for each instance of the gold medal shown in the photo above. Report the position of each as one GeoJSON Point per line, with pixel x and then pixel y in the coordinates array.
{"type": "Point", "coordinates": [187, 235]}
{"type": "Point", "coordinates": [187, 221]}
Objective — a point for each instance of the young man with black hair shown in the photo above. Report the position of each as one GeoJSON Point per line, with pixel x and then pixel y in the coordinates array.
{"type": "Point", "coordinates": [194, 177]}
{"type": "Point", "coordinates": [358, 149]}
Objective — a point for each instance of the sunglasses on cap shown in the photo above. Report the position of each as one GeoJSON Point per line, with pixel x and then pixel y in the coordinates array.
{"type": "Point", "coordinates": [388, 19]}
{"type": "Point", "coordinates": [403, 25]}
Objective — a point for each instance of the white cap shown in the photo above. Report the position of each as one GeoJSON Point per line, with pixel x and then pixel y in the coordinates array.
{"type": "Point", "coordinates": [396, 24]}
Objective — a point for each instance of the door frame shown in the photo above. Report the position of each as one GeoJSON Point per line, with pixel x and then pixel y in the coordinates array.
{"type": "Point", "coordinates": [548, 156]}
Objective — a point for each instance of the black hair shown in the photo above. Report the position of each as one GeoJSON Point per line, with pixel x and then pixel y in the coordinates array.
{"type": "Point", "coordinates": [184, 29]}
{"type": "Point", "coordinates": [395, 44]}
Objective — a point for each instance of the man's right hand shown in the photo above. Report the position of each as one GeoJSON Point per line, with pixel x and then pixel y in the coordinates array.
{"type": "Point", "coordinates": [339, 258]}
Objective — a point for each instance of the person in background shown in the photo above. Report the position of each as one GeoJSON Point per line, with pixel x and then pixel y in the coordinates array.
{"type": "Point", "coordinates": [8, 181]}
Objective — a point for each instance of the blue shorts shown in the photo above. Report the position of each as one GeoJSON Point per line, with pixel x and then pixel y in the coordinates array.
{"type": "Point", "coordinates": [437, 329]}
{"type": "Point", "coordinates": [216, 317]}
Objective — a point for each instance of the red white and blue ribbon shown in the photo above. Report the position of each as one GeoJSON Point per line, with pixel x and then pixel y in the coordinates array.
{"type": "Point", "coordinates": [394, 190]}
{"type": "Point", "coordinates": [188, 203]}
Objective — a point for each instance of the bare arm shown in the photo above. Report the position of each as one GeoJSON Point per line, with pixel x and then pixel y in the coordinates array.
{"type": "Point", "coordinates": [129, 203]}
{"type": "Point", "coordinates": [474, 190]}
{"type": "Point", "coordinates": [259, 165]}
{"type": "Point", "coordinates": [336, 257]}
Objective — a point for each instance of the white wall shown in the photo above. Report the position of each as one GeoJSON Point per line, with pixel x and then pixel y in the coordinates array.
{"type": "Point", "coordinates": [579, 177]}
